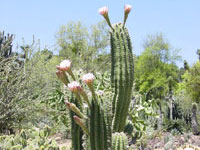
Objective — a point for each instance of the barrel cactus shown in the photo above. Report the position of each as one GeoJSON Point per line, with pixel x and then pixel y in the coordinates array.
{"type": "Point", "coordinates": [96, 125]}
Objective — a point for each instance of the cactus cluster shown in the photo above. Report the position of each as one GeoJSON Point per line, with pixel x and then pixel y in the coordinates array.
{"type": "Point", "coordinates": [94, 126]}
{"type": "Point", "coordinates": [32, 139]}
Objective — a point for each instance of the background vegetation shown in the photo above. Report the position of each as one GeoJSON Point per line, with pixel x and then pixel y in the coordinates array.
{"type": "Point", "coordinates": [166, 97]}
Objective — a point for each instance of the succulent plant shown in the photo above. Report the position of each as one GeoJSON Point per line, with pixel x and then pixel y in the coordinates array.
{"type": "Point", "coordinates": [96, 125]}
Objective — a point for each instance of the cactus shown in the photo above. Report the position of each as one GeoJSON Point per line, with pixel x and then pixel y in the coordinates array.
{"type": "Point", "coordinates": [121, 74]}
{"type": "Point", "coordinates": [28, 140]}
{"type": "Point", "coordinates": [195, 123]}
{"type": "Point", "coordinates": [5, 45]}
{"type": "Point", "coordinates": [98, 128]}
{"type": "Point", "coordinates": [119, 141]}
{"type": "Point", "coordinates": [76, 131]}
{"type": "Point", "coordinates": [94, 125]}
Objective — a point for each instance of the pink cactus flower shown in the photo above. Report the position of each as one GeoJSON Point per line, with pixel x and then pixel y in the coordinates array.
{"type": "Point", "coordinates": [127, 8]}
{"type": "Point", "coordinates": [64, 65]}
{"type": "Point", "coordinates": [103, 11]}
{"type": "Point", "coordinates": [74, 86]}
{"type": "Point", "coordinates": [88, 78]}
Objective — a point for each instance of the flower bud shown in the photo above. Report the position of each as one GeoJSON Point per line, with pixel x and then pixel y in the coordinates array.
{"type": "Point", "coordinates": [68, 104]}
{"type": "Point", "coordinates": [64, 65]}
{"type": "Point", "coordinates": [81, 124]}
{"type": "Point", "coordinates": [103, 11]}
{"type": "Point", "coordinates": [127, 8]}
{"type": "Point", "coordinates": [74, 86]}
{"type": "Point", "coordinates": [62, 76]}
{"type": "Point", "coordinates": [88, 78]}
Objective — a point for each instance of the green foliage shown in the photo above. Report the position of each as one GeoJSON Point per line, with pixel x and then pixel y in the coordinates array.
{"type": "Point", "coordinates": [154, 68]}
{"type": "Point", "coordinates": [83, 46]}
{"type": "Point", "coordinates": [12, 83]}
{"type": "Point", "coordinates": [13, 87]}
{"type": "Point", "coordinates": [32, 139]}
{"type": "Point", "coordinates": [56, 102]}
{"type": "Point", "coordinates": [25, 82]}
{"type": "Point", "coordinates": [142, 114]}
{"type": "Point", "coordinates": [176, 127]}
{"type": "Point", "coordinates": [192, 82]}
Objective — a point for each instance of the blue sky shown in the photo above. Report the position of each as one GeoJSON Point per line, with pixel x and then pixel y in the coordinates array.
{"type": "Point", "coordinates": [178, 20]}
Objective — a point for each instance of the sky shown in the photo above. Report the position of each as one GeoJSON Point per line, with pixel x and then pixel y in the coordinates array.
{"type": "Point", "coordinates": [178, 20]}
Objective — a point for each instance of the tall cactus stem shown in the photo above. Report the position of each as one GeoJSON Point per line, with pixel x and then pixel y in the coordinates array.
{"type": "Point", "coordinates": [121, 74]}
{"type": "Point", "coordinates": [76, 131]}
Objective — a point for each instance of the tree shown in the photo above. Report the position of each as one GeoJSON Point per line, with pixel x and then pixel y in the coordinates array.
{"type": "Point", "coordinates": [12, 81]}
{"type": "Point", "coordinates": [24, 83]}
{"type": "Point", "coordinates": [192, 82]}
{"type": "Point", "coordinates": [156, 74]}
{"type": "Point", "coordinates": [89, 48]}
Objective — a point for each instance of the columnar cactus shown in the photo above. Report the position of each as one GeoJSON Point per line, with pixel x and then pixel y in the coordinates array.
{"type": "Point", "coordinates": [5, 44]}
{"type": "Point", "coordinates": [76, 131]}
{"type": "Point", "coordinates": [122, 68]}
{"type": "Point", "coordinates": [121, 74]}
{"type": "Point", "coordinates": [119, 141]}
{"type": "Point", "coordinates": [90, 115]}
{"type": "Point", "coordinates": [195, 124]}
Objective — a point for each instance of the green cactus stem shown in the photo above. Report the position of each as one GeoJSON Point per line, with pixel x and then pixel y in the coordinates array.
{"type": "Point", "coordinates": [76, 131]}
{"type": "Point", "coordinates": [119, 141]}
{"type": "Point", "coordinates": [121, 74]}
{"type": "Point", "coordinates": [99, 133]}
